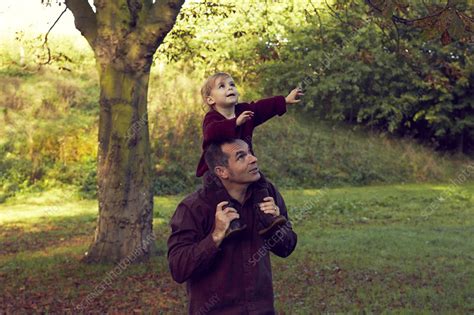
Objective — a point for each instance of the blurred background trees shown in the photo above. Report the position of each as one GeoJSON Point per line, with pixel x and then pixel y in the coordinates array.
{"type": "Point", "coordinates": [385, 102]}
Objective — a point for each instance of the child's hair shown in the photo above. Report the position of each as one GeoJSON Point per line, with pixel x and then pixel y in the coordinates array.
{"type": "Point", "coordinates": [209, 84]}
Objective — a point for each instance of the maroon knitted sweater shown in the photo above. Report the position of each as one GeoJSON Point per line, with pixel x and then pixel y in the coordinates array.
{"type": "Point", "coordinates": [216, 127]}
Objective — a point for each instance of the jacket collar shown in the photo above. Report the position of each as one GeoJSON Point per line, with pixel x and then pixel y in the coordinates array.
{"type": "Point", "coordinates": [215, 190]}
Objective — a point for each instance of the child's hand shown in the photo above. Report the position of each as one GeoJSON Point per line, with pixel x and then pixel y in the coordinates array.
{"type": "Point", "coordinates": [269, 206]}
{"type": "Point", "coordinates": [244, 117]}
{"type": "Point", "coordinates": [294, 95]}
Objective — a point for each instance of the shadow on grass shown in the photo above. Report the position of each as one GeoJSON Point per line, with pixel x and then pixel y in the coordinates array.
{"type": "Point", "coordinates": [20, 236]}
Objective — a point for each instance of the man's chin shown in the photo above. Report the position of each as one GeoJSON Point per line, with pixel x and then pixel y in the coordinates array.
{"type": "Point", "coordinates": [251, 178]}
{"type": "Point", "coordinates": [256, 176]}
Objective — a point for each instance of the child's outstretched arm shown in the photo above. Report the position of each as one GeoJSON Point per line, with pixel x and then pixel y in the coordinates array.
{"type": "Point", "coordinates": [267, 108]}
{"type": "Point", "coordinates": [293, 97]}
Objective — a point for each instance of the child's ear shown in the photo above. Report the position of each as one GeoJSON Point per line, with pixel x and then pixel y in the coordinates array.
{"type": "Point", "coordinates": [221, 172]}
{"type": "Point", "coordinates": [210, 101]}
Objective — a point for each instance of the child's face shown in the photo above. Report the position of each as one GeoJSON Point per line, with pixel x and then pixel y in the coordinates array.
{"type": "Point", "coordinates": [224, 93]}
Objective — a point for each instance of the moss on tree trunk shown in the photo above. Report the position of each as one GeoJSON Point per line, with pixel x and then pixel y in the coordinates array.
{"type": "Point", "coordinates": [124, 226]}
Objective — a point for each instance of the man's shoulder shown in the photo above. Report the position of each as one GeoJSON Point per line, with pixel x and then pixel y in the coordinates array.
{"type": "Point", "coordinates": [190, 198]}
{"type": "Point", "coordinates": [195, 201]}
{"type": "Point", "coordinates": [193, 213]}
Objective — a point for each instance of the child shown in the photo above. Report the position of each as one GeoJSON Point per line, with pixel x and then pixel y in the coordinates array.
{"type": "Point", "coordinates": [227, 118]}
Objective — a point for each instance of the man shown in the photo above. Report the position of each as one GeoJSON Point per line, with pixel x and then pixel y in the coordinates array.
{"type": "Point", "coordinates": [228, 274]}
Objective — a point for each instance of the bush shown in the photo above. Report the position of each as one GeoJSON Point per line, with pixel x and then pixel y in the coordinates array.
{"type": "Point", "coordinates": [412, 87]}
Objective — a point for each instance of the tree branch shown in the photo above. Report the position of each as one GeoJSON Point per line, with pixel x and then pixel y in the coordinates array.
{"type": "Point", "coordinates": [159, 22]}
{"type": "Point", "coordinates": [336, 15]}
{"type": "Point", "coordinates": [140, 44]}
{"type": "Point", "coordinates": [144, 7]}
{"type": "Point", "coordinates": [84, 19]}
{"type": "Point", "coordinates": [45, 43]}
{"type": "Point", "coordinates": [321, 32]}
{"type": "Point", "coordinates": [398, 35]}
{"type": "Point", "coordinates": [432, 20]}
{"type": "Point", "coordinates": [468, 22]}
{"type": "Point", "coordinates": [401, 20]}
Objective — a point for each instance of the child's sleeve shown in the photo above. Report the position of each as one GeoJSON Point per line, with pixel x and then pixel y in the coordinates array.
{"type": "Point", "coordinates": [267, 108]}
{"type": "Point", "coordinates": [217, 129]}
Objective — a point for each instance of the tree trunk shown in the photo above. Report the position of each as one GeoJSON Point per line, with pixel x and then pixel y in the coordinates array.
{"type": "Point", "coordinates": [124, 227]}
{"type": "Point", "coordinates": [124, 35]}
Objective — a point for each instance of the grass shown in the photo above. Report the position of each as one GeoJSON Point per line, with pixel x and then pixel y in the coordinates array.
{"type": "Point", "coordinates": [373, 248]}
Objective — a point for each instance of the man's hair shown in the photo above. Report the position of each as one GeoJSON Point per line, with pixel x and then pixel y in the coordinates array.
{"type": "Point", "coordinates": [214, 155]}
{"type": "Point", "coordinates": [209, 84]}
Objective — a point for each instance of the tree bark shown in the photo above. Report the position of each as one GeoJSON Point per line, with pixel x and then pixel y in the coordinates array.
{"type": "Point", "coordinates": [124, 35]}
{"type": "Point", "coordinates": [124, 226]}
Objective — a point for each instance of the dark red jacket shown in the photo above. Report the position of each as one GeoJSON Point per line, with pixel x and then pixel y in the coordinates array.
{"type": "Point", "coordinates": [235, 278]}
{"type": "Point", "coordinates": [215, 126]}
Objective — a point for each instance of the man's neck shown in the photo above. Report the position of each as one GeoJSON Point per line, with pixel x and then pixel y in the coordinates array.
{"type": "Point", "coordinates": [227, 112]}
{"type": "Point", "coordinates": [236, 191]}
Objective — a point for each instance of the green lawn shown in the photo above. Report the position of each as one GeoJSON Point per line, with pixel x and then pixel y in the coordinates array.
{"type": "Point", "coordinates": [374, 248]}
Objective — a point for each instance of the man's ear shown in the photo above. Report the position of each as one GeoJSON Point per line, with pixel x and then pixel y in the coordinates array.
{"type": "Point", "coordinates": [210, 100]}
{"type": "Point", "coordinates": [221, 172]}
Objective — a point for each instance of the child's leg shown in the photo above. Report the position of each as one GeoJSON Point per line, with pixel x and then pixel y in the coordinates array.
{"type": "Point", "coordinates": [266, 223]}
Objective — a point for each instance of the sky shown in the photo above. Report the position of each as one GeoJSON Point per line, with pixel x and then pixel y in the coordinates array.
{"type": "Point", "coordinates": [33, 17]}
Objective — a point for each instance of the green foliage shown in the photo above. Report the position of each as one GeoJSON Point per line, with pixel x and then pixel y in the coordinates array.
{"type": "Point", "coordinates": [293, 150]}
{"type": "Point", "coordinates": [13, 172]}
{"type": "Point", "coordinates": [358, 75]}
{"type": "Point", "coordinates": [81, 174]}
{"type": "Point", "coordinates": [300, 152]}
{"type": "Point", "coordinates": [231, 35]}
{"type": "Point", "coordinates": [358, 68]}
{"type": "Point", "coordinates": [28, 54]}
{"type": "Point", "coordinates": [175, 115]}
{"type": "Point", "coordinates": [49, 126]}
{"type": "Point", "coordinates": [443, 20]}
{"type": "Point", "coordinates": [362, 73]}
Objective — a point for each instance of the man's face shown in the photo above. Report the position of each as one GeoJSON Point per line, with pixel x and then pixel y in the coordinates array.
{"type": "Point", "coordinates": [242, 168]}
{"type": "Point", "coordinates": [224, 93]}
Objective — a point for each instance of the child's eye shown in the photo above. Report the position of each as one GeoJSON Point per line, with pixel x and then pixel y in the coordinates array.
{"type": "Point", "coordinates": [221, 86]}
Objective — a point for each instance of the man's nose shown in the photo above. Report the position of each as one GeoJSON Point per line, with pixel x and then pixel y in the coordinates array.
{"type": "Point", "coordinates": [253, 158]}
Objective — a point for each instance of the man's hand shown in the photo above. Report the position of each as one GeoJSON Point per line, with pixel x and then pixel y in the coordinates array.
{"type": "Point", "coordinates": [292, 98]}
{"type": "Point", "coordinates": [223, 219]}
{"type": "Point", "coordinates": [269, 206]}
{"type": "Point", "coordinates": [244, 117]}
